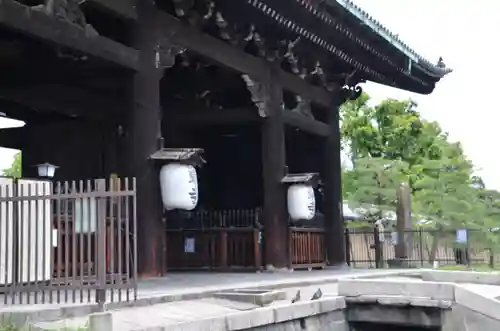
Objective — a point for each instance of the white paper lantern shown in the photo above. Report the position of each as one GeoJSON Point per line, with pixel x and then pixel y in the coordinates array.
{"type": "Point", "coordinates": [301, 202]}
{"type": "Point", "coordinates": [179, 186]}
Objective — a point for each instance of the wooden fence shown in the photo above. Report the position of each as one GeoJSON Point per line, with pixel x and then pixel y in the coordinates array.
{"type": "Point", "coordinates": [307, 248]}
{"type": "Point", "coordinates": [232, 240]}
{"type": "Point", "coordinates": [361, 250]}
{"type": "Point", "coordinates": [67, 241]}
{"type": "Point", "coordinates": [214, 249]}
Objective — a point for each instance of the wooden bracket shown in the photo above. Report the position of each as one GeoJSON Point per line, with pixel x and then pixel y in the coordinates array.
{"type": "Point", "coordinates": [303, 107]}
{"type": "Point", "coordinates": [166, 54]}
{"type": "Point", "coordinates": [259, 94]}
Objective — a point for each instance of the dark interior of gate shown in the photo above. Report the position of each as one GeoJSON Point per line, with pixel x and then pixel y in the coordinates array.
{"type": "Point", "coordinates": [207, 106]}
{"type": "Point", "coordinates": [256, 84]}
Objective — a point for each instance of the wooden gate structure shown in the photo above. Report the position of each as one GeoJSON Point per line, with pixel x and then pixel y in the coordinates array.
{"type": "Point", "coordinates": [257, 84]}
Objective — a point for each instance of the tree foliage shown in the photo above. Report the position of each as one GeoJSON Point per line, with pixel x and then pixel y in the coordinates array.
{"type": "Point", "coordinates": [391, 143]}
{"type": "Point", "coordinates": [374, 182]}
{"type": "Point", "coordinates": [15, 170]}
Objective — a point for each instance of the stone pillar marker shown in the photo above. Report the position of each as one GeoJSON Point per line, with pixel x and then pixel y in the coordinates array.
{"type": "Point", "coordinates": [101, 321]}
{"type": "Point", "coordinates": [404, 226]}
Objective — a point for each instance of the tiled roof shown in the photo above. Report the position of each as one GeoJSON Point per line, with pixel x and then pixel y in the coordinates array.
{"type": "Point", "coordinates": [382, 31]}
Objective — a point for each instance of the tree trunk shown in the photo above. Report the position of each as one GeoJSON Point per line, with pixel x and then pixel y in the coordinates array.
{"type": "Point", "coordinates": [435, 244]}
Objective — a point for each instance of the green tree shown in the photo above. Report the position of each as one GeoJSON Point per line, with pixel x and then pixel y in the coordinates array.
{"type": "Point", "coordinates": [443, 186]}
{"type": "Point", "coordinates": [15, 170]}
{"type": "Point", "coordinates": [389, 130]}
{"type": "Point", "coordinates": [372, 186]}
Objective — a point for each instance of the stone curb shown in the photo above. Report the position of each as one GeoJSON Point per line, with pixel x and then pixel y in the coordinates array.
{"type": "Point", "coordinates": [486, 278]}
{"type": "Point", "coordinates": [20, 317]}
{"type": "Point", "coordinates": [478, 303]}
{"type": "Point", "coordinates": [431, 290]}
{"type": "Point", "coordinates": [400, 301]}
{"type": "Point", "coordinates": [260, 316]}
{"type": "Point", "coordinates": [242, 320]}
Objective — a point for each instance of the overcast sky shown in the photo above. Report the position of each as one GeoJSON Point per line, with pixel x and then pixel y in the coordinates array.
{"type": "Point", "coordinates": [464, 33]}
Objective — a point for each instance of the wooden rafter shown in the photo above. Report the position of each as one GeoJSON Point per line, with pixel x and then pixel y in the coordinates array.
{"type": "Point", "coordinates": [42, 26]}
{"type": "Point", "coordinates": [173, 33]}
{"type": "Point", "coordinates": [178, 33]}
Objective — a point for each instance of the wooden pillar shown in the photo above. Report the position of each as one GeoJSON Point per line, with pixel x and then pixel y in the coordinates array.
{"type": "Point", "coordinates": [143, 137]}
{"type": "Point", "coordinates": [273, 166]}
{"type": "Point", "coordinates": [332, 176]}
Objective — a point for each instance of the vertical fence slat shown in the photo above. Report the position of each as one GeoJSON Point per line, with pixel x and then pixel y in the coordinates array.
{"type": "Point", "coordinates": [59, 239]}
{"type": "Point", "coordinates": [15, 240]}
{"type": "Point", "coordinates": [134, 217]}
{"type": "Point", "coordinates": [120, 239]}
{"type": "Point", "coordinates": [90, 261]}
{"type": "Point", "coordinates": [101, 243]}
{"type": "Point", "coordinates": [20, 219]}
{"type": "Point", "coordinates": [72, 230]}
{"type": "Point", "coordinates": [47, 241]}
{"type": "Point", "coordinates": [4, 276]}
{"type": "Point", "coordinates": [65, 229]}
{"type": "Point", "coordinates": [128, 250]}
{"type": "Point", "coordinates": [111, 232]}
{"type": "Point", "coordinates": [32, 250]}
{"type": "Point", "coordinates": [83, 231]}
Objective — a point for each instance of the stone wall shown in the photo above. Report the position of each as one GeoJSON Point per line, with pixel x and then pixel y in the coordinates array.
{"type": "Point", "coordinates": [464, 319]}
{"type": "Point", "coordinates": [332, 321]}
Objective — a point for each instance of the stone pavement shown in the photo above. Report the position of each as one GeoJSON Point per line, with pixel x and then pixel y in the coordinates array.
{"type": "Point", "coordinates": [397, 287]}
{"type": "Point", "coordinates": [172, 313]}
{"type": "Point", "coordinates": [192, 286]}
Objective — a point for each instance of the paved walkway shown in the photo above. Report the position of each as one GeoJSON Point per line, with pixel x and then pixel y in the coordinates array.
{"type": "Point", "coordinates": [186, 309]}
{"type": "Point", "coordinates": [189, 286]}
{"type": "Point", "coordinates": [184, 286]}
{"type": "Point", "coordinates": [164, 314]}
{"type": "Point", "coordinates": [189, 282]}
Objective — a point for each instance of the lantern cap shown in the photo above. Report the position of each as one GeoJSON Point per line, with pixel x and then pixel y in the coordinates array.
{"type": "Point", "coordinates": [46, 164]}
{"type": "Point", "coordinates": [181, 155]}
{"type": "Point", "coordinates": [46, 169]}
{"type": "Point", "coordinates": [310, 178]}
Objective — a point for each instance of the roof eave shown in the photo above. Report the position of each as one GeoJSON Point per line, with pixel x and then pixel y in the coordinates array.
{"type": "Point", "coordinates": [432, 70]}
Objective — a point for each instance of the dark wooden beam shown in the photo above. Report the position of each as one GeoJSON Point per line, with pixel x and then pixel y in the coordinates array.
{"type": "Point", "coordinates": [214, 117]}
{"type": "Point", "coordinates": [60, 100]}
{"type": "Point", "coordinates": [14, 138]}
{"type": "Point", "coordinates": [123, 8]}
{"type": "Point", "coordinates": [39, 25]}
{"type": "Point", "coordinates": [332, 180]}
{"type": "Point", "coordinates": [143, 139]}
{"type": "Point", "coordinates": [306, 124]}
{"type": "Point", "coordinates": [175, 32]}
{"type": "Point", "coordinates": [276, 249]}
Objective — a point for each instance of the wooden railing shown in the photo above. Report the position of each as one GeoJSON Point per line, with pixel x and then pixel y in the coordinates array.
{"type": "Point", "coordinates": [214, 249]}
{"type": "Point", "coordinates": [231, 240]}
{"type": "Point", "coordinates": [307, 248]}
